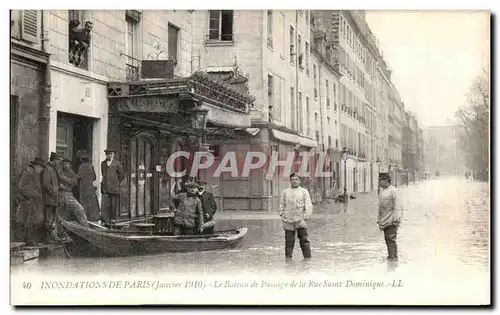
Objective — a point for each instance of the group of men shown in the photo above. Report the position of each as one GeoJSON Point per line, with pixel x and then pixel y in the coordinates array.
{"type": "Point", "coordinates": [296, 210]}
{"type": "Point", "coordinates": [46, 197]}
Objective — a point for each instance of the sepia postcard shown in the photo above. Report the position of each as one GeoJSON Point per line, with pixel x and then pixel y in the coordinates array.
{"type": "Point", "coordinates": [250, 157]}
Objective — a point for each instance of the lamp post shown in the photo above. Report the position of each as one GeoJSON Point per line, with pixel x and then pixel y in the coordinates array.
{"type": "Point", "coordinates": [344, 157]}
{"type": "Point", "coordinates": [199, 123]}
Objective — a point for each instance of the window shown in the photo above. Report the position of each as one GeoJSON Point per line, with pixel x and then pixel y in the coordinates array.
{"type": "Point", "coordinates": [79, 39]}
{"type": "Point", "coordinates": [132, 67]}
{"type": "Point", "coordinates": [315, 82]}
{"type": "Point", "coordinates": [279, 89]}
{"type": "Point", "coordinates": [307, 57]}
{"type": "Point", "coordinates": [282, 35]}
{"type": "Point", "coordinates": [30, 25]}
{"type": "Point", "coordinates": [308, 117]}
{"type": "Point", "coordinates": [292, 103]}
{"type": "Point", "coordinates": [316, 123]}
{"type": "Point", "coordinates": [221, 25]}
{"type": "Point", "coordinates": [173, 42]}
{"type": "Point", "coordinates": [334, 96]}
{"type": "Point", "coordinates": [270, 28]}
{"type": "Point", "coordinates": [300, 114]}
{"type": "Point", "coordinates": [299, 51]}
{"type": "Point", "coordinates": [327, 94]}
{"type": "Point", "coordinates": [270, 91]}
{"type": "Point", "coordinates": [292, 45]}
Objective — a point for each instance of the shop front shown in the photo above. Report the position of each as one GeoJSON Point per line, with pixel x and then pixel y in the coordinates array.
{"type": "Point", "coordinates": [151, 120]}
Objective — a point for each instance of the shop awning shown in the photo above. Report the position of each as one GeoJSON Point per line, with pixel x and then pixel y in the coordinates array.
{"type": "Point", "coordinates": [291, 138]}
{"type": "Point", "coordinates": [226, 118]}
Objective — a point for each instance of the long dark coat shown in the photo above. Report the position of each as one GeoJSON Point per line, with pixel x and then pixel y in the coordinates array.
{"type": "Point", "coordinates": [209, 205]}
{"type": "Point", "coordinates": [188, 211]}
{"type": "Point", "coordinates": [87, 193]}
{"type": "Point", "coordinates": [31, 206]}
{"type": "Point", "coordinates": [112, 176]}
{"type": "Point", "coordinates": [50, 183]}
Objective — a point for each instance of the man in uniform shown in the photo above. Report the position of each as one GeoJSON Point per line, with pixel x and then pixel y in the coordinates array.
{"type": "Point", "coordinates": [390, 213]}
{"type": "Point", "coordinates": [112, 176]}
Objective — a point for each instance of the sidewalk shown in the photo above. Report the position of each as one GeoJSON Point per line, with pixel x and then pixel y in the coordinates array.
{"type": "Point", "coordinates": [318, 209]}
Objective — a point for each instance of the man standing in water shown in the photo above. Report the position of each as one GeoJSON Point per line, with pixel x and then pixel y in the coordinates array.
{"type": "Point", "coordinates": [295, 210]}
{"type": "Point", "coordinates": [390, 212]}
{"type": "Point", "coordinates": [188, 217]}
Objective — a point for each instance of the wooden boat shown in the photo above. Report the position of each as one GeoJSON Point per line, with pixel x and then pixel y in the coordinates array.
{"type": "Point", "coordinates": [112, 242]}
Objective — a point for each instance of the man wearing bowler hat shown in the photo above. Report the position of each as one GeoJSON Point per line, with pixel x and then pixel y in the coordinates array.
{"type": "Point", "coordinates": [390, 212]}
{"type": "Point", "coordinates": [112, 176]}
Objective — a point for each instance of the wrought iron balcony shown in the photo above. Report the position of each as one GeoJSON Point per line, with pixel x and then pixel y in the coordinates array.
{"type": "Point", "coordinates": [132, 73]}
{"type": "Point", "coordinates": [78, 56]}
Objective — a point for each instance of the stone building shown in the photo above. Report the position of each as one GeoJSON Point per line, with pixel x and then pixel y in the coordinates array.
{"type": "Point", "coordinates": [274, 48]}
{"type": "Point", "coordinates": [349, 38]}
{"type": "Point", "coordinates": [29, 92]}
{"type": "Point", "coordinates": [410, 149]}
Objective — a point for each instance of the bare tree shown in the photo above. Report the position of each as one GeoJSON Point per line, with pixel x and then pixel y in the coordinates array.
{"type": "Point", "coordinates": [473, 122]}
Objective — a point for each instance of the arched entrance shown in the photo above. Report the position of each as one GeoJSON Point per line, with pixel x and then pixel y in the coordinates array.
{"type": "Point", "coordinates": [142, 176]}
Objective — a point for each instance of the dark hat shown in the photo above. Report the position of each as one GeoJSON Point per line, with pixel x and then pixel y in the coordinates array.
{"type": "Point", "coordinates": [38, 161]}
{"type": "Point", "coordinates": [109, 150]}
{"type": "Point", "coordinates": [55, 156]}
{"type": "Point", "coordinates": [384, 176]}
{"type": "Point", "coordinates": [190, 185]}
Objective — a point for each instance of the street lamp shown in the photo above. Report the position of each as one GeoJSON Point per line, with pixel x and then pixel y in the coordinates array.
{"type": "Point", "coordinates": [199, 120]}
{"type": "Point", "coordinates": [345, 153]}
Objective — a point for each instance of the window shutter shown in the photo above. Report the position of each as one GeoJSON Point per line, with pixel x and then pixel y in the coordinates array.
{"type": "Point", "coordinates": [29, 25]}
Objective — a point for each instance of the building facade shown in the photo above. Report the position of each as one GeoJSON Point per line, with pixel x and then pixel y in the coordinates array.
{"type": "Point", "coordinates": [274, 48]}
{"type": "Point", "coordinates": [307, 82]}
{"type": "Point", "coordinates": [29, 93]}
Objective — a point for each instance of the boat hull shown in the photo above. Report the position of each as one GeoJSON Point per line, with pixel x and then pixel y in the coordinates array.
{"type": "Point", "coordinates": [109, 243]}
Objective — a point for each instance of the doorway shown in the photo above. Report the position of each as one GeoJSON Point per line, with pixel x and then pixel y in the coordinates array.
{"type": "Point", "coordinates": [73, 135]}
{"type": "Point", "coordinates": [142, 176]}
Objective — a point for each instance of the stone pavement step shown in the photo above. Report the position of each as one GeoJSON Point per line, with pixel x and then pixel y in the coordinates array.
{"type": "Point", "coordinates": [27, 254]}
{"type": "Point", "coordinates": [16, 246]}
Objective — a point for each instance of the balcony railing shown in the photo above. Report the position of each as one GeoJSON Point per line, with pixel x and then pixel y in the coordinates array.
{"type": "Point", "coordinates": [78, 56]}
{"type": "Point", "coordinates": [132, 73]}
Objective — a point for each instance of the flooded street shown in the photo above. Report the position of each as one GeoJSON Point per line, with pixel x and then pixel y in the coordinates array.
{"type": "Point", "coordinates": [445, 227]}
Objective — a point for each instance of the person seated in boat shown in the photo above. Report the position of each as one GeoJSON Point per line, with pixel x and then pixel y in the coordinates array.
{"type": "Point", "coordinates": [209, 207]}
{"type": "Point", "coordinates": [188, 211]}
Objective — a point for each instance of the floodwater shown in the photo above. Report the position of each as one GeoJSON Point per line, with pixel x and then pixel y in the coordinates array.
{"type": "Point", "coordinates": [445, 229]}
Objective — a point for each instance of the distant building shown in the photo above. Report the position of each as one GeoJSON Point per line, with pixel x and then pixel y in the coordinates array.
{"type": "Point", "coordinates": [441, 152]}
